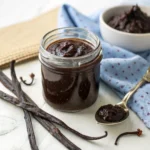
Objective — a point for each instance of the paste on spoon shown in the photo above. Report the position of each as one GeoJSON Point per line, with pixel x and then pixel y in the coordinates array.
{"type": "Point", "coordinates": [111, 113]}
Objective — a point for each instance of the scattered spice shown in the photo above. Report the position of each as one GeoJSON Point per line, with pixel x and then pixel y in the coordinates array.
{"type": "Point", "coordinates": [32, 80]}
{"type": "Point", "coordinates": [132, 21]}
{"type": "Point", "coordinates": [138, 133]}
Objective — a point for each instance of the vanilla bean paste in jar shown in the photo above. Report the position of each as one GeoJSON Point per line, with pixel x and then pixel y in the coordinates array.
{"type": "Point", "coordinates": [70, 65]}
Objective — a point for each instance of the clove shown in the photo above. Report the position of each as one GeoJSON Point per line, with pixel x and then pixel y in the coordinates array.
{"type": "Point", "coordinates": [24, 81]}
{"type": "Point", "coordinates": [138, 133]}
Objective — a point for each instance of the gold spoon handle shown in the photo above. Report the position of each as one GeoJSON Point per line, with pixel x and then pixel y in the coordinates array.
{"type": "Point", "coordinates": [146, 78]}
{"type": "Point", "coordinates": [132, 91]}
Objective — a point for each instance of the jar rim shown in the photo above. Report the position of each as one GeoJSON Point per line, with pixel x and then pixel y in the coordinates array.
{"type": "Point", "coordinates": [66, 58]}
{"type": "Point", "coordinates": [47, 55]}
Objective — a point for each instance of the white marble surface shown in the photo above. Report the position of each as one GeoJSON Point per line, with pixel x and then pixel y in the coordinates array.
{"type": "Point", "coordinates": [13, 135]}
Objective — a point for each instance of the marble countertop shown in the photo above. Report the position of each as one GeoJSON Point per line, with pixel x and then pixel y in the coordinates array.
{"type": "Point", "coordinates": [13, 135]}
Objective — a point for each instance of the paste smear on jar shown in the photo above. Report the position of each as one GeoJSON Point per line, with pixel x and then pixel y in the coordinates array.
{"type": "Point", "coordinates": [132, 21]}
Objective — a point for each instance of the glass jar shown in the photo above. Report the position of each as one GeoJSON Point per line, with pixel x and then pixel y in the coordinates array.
{"type": "Point", "coordinates": [70, 83]}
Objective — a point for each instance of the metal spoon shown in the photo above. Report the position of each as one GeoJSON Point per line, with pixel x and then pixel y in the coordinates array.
{"type": "Point", "coordinates": [123, 103]}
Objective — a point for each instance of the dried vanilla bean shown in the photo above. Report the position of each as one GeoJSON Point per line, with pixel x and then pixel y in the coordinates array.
{"type": "Point", "coordinates": [27, 115]}
{"type": "Point", "coordinates": [7, 83]}
{"type": "Point", "coordinates": [50, 127]}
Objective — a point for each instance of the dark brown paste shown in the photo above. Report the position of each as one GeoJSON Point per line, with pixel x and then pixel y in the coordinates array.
{"type": "Point", "coordinates": [111, 113]}
{"type": "Point", "coordinates": [74, 88]}
{"type": "Point", "coordinates": [132, 21]}
{"type": "Point", "coordinates": [69, 48]}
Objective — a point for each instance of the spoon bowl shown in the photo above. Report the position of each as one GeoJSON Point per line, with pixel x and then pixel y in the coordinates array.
{"type": "Point", "coordinates": [123, 103]}
{"type": "Point", "coordinates": [101, 121]}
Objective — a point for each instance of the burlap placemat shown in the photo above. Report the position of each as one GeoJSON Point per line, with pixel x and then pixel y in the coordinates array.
{"type": "Point", "coordinates": [21, 41]}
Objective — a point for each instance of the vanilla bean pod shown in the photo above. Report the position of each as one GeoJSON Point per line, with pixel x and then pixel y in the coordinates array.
{"type": "Point", "coordinates": [20, 95]}
{"type": "Point", "coordinates": [27, 115]}
{"type": "Point", "coordinates": [56, 133]}
{"type": "Point", "coordinates": [30, 130]}
{"type": "Point", "coordinates": [7, 83]}
{"type": "Point", "coordinates": [50, 127]}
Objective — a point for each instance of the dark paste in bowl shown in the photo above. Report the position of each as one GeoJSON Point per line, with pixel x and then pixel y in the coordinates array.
{"type": "Point", "coordinates": [132, 21]}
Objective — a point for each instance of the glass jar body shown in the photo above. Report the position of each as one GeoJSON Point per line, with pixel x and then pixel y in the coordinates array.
{"type": "Point", "coordinates": [70, 89]}
{"type": "Point", "coordinates": [70, 84]}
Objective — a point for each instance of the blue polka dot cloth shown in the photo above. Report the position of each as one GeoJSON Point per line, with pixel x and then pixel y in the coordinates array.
{"type": "Point", "coordinates": [120, 68]}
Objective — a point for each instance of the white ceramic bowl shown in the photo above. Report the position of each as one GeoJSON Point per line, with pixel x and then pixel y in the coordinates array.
{"type": "Point", "coordinates": [130, 41]}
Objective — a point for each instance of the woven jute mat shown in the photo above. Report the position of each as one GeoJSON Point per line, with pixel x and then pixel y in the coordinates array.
{"type": "Point", "coordinates": [21, 41]}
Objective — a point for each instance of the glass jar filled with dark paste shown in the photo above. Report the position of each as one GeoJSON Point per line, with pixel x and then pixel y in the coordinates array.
{"type": "Point", "coordinates": [70, 64]}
